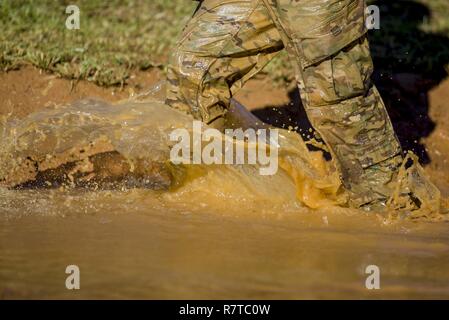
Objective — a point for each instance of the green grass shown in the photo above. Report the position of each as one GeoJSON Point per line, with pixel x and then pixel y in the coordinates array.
{"type": "Point", "coordinates": [116, 37]}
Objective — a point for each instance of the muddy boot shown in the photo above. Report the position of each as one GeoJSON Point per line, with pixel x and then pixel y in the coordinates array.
{"type": "Point", "coordinates": [413, 191]}
{"type": "Point", "coordinates": [219, 124]}
{"type": "Point", "coordinates": [398, 184]}
{"type": "Point", "coordinates": [372, 189]}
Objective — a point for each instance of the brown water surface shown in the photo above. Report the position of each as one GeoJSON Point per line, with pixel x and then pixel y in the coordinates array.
{"type": "Point", "coordinates": [136, 244]}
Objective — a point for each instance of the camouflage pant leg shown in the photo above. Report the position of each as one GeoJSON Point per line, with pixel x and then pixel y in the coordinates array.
{"type": "Point", "coordinates": [224, 44]}
{"type": "Point", "coordinates": [327, 40]}
{"type": "Point", "coordinates": [228, 41]}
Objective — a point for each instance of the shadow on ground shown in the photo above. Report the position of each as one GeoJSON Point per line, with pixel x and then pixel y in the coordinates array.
{"type": "Point", "coordinates": [408, 64]}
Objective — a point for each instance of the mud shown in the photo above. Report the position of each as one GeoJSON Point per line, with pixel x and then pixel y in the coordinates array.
{"type": "Point", "coordinates": [174, 213]}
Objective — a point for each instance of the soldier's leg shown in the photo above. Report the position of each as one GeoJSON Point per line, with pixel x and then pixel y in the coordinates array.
{"type": "Point", "coordinates": [327, 39]}
{"type": "Point", "coordinates": [224, 44]}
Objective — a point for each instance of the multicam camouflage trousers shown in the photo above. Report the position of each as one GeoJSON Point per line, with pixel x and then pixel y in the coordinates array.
{"type": "Point", "coordinates": [228, 41]}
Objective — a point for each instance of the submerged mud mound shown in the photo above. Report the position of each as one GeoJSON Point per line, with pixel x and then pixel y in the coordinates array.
{"type": "Point", "coordinates": [95, 144]}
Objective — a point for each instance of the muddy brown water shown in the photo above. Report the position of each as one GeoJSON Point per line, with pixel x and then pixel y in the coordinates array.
{"type": "Point", "coordinates": [227, 234]}
{"type": "Point", "coordinates": [132, 245]}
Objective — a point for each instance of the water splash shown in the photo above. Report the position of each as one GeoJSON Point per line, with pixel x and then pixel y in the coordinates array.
{"type": "Point", "coordinates": [94, 144]}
